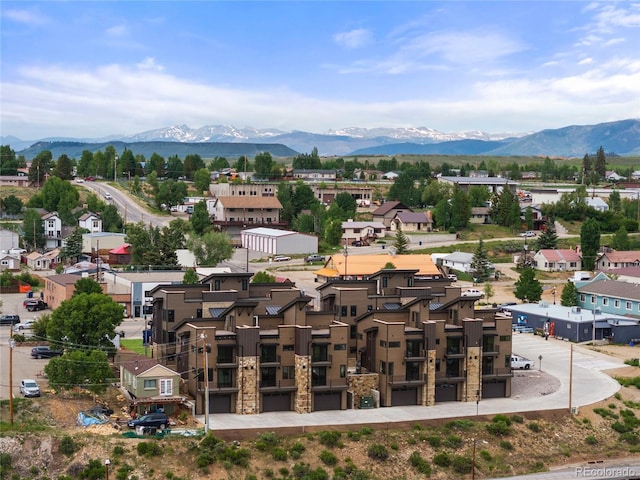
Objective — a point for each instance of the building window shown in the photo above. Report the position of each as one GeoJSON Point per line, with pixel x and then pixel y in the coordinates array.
{"type": "Point", "coordinates": [505, 338]}
{"type": "Point", "coordinates": [343, 371]}
{"type": "Point", "coordinates": [166, 387]}
{"type": "Point", "coordinates": [171, 315]}
{"type": "Point", "coordinates": [616, 303]}
{"type": "Point", "coordinates": [413, 371]}
{"type": "Point", "coordinates": [198, 313]}
{"type": "Point", "coordinates": [288, 373]}
{"type": "Point", "coordinates": [507, 361]}
{"type": "Point", "coordinates": [268, 353]}
{"type": "Point", "coordinates": [340, 346]}
{"type": "Point", "coordinates": [225, 377]}
{"type": "Point", "coordinates": [150, 384]}
{"type": "Point", "coordinates": [354, 310]}
{"type": "Point", "coordinates": [382, 369]}
{"type": "Point", "coordinates": [268, 377]}
{"type": "Point", "coordinates": [394, 344]}
{"type": "Point", "coordinates": [583, 297]}
{"type": "Point", "coordinates": [225, 354]}
{"type": "Point", "coordinates": [353, 331]}
{"type": "Point", "coordinates": [593, 299]}
{"type": "Point", "coordinates": [385, 282]}
{"type": "Point", "coordinates": [318, 376]}
{"type": "Point", "coordinates": [245, 284]}
{"type": "Point", "coordinates": [319, 353]}
{"type": "Point", "coordinates": [628, 306]}
{"type": "Point", "coordinates": [437, 364]}
{"type": "Point", "coordinates": [216, 285]}
{"type": "Point", "coordinates": [605, 301]}
{"type": "Point", "coordinates": [343, 310]}
{"type": "Point", "coordinates": [383, 343]}
{"type": "Point", "coordinates": [287, 348]}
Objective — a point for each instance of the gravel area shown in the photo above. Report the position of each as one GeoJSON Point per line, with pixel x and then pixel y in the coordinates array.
{"type": "Point", "coordinates": [528, 384]}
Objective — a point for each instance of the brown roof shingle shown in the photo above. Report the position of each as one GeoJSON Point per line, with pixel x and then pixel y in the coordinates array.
{"type": "Point", "coordinates": [250, 202]}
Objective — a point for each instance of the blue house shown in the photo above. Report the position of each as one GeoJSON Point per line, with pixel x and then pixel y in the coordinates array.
{"type": "Point", "coordinates": [610, 296]}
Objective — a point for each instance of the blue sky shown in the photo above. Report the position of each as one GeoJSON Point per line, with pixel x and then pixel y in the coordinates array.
{"type": "Point", "coordinates": [91, 69]}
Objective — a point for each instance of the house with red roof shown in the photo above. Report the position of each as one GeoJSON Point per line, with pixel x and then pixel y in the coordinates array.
{"type": "Point", "coordinates": [120, 255]}
{"type": "Point", "coordinates": [618, 259]}
{"type": "Point", "coordinates": [557, 260]}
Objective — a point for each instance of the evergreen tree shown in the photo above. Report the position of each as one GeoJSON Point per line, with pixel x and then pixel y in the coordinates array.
{"type": "Point", "coordinates": [600, 166]}
{"type": "Point", "coordinates": [190, 277]}
{"type": "Point", "coordinates": [620, 240]}
{"type": "Point", "coordinates": [11, 205]}
{"type": "Point", "coordinates": [548, 240]}
{"type": "Point", "coordinates": [33, 229]}
{"type": "Point", "coordinates": [200, 218]}
{"type": "Point", "coordinates": [73, 245]}
{"type": "Point", "coordinates": [590, 243]}
{"type": "Point", "coordinates": [401, 242]}
{"type": "Point", "coordinates": [569, 296]}
{"type": "Point", "coordinates": [480, 266]}
{"type": "Point", "coordinates": [64, 168]}
{"type": "Point", "coordinates": [460, 208]}
{"type": "Point", "coordinates": [528, 288]}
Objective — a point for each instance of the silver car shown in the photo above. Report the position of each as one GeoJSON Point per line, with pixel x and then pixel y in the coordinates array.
{"type": "Point", "coordinates": [29, 388]}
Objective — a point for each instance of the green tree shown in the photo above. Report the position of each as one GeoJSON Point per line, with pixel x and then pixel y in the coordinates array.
{"type": "Point", "coordinates": [200, 221]}
{"type": "Point", "coordinates": [332, 232]}
{"type": "Point", "coordinates": [60, 196]}
{"type": "Point", "coordinates": [33, 229]}
{"type": "Point", "coordinates": [127, 163]}
{"type": "Point", "coordinates": [302, 198]}
{"type": "Point", "coordinates": [192, 163]}
{"type": "Point", "coordinates": [403, 190]}
{"type": "Point", "coordinates": [401, 242]}
{"type": "Point", "coordinates": [190, 277]}
{"type": "Point", "coordinates": [548, 239]}
{"type": "Point", "coordinates": [263, 277]}
{"type": "Point", "coordinates": [442, 214]}
{"type": "Point", "coordinates": [219, 163]}
{"type": "Point", "coordinates": [347, 204]}
{"type": "Point", "coordinates": [590, 243]}
{"type": "Point", "coordinates": [478, 195]}
{"type": "Point", "coordinates": [620, 240]}
{"type": "Point", "coordinates": [488, 291]}
{"type": "Point", "coordinates": [480, 268]}
{"type": "Point", "coordinates": [86, 285]}
{"type": "Point", "coordinates": [111, 219]}
{"type": "Point", "coordinates": [63, 168]}
{"type": "Point", "coordinates": [40, 166]}
{"type": "Point", "coordinates": [569, 296]}
{"type": "Point", "coordinates": [211, 248]}
{"type": "Point", "coordinates": [202, 180]}
{"type": "Point", "coordinates": [263, 164]}
{"type": "Point", "coordinates": [89, 369]}
{"type": "Point", "coordinates": [8, 161]}
{"type": "Point", "coordinates": [86, 164]}
{"type": "Point", "coordinates": [170, 193]}
{"type": "Point", "coordinates": [460, 208]}
{"type": "Point", "coordinates": [73, 245]}
{"type": "Point", "coordinates": [12, 205]}
{"type": "Point", "coordinates": [87, 320]}
{"type": "Point", "coordinates": [175, 168]}
{"type": "Point", "coordinates": [600, 166]}
{"type": "Point", "coordinates": [528, 218]}
{"type": "Point", "coordinates": [528, 287]}
{"type": "Point", "coordinates": [284, 196]}
{"type": "Point", "coordinates": [434, 192]}
{"type": "Point", "coordinates": [614, 200]}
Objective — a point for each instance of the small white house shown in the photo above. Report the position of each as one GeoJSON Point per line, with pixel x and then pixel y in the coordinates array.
{"type": "Point", "coordinates": [52, 225]}
{"type": "Point", "coordinates": [90, 221]}
{"type": "Point", "coordinates": [597, 203]}
{"type": "Point", "coordinates": [460, 261]}
{"type": "Point", "coordinates": [9, 262]}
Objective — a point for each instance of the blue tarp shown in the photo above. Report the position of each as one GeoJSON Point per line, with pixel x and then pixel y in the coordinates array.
{"type": "Point", "coordinates": [85, 419]}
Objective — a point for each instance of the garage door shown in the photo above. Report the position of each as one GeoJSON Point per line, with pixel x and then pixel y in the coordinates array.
{"type": "Point", "coordinates": [447, 392]}
{"type": "Point", "coordinates": [401, 397]}
{"type": "Point", "coordinates": [220, 404]}
{"type": "Point", "coordinates": [276, 402]}
{"type": "Point", "coordinates": [494, 389]}
{"type": "Point", "coordinates": [327, 401]}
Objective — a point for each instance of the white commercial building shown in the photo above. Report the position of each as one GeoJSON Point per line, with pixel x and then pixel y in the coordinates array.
{"type": "Point", "coordinates": [276, 242]}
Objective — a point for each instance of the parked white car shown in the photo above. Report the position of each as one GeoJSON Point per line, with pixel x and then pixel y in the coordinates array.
{"type": "Point", "coordinates": [26, 325]}
{"type": "Point", "coordinates": [281, 258]}
{"type": "Point", "coordinates": [29, 388]}
{"type": "Point", "coordinates": [472, 292]}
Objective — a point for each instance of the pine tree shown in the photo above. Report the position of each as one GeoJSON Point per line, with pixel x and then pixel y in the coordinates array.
{"type": "Point", "coordinates": [549, 238]}
{"type": "Point", "coordinates": [620, 240]}
{"type": "Point", "coordinates": [401, 242]}
{"type": "Point", "coordinates": [190, 277]}
{"type": "Point", "coordinates": [480, 265]}
{"type": "Point", "coordinates": [590, 243]}
{"type": "Point", "coordinates": [569, 296]}
{"type": "Point", "coordinates": [528, 288]}
{"type": "Point", "coordinates": [73, 245]}
{"type": "Point", "coordinates": [600, 166]}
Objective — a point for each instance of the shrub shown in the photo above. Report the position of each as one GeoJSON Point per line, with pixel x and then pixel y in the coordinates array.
{"type": "Point", "coordinates": [517, 419]}
{"type": "Point", "coordinates": [118, 450]}
{"type": "Point", "coordinates": [612, 406]}
{"type": "Point", "coordinates": [502, 418]}
{"type": "Point", "coordinates": [630, 437]}
{"type": "Point", "coordinates": [604, 413]}
{"type": "Point", "coordinates": [268, 473]}
{"type": "Point", "coordinates": [498, 429]}
{"type": "Point", "coordinates": [617, 396]}
{"type": "Point", "coordinates": [434, 440]}
{"type": "Point", "coordinates": [284, 471]}
{"type": "Point", "coordinates": [67, 445]}
{"type": "Point", "coordinates": [591, 440]}
{"type": "Point", "coordinates": [377, 452]}
{"type": "Point", "coordinates": [420, 464]}
{"type": "Point", "coordinates": [328, 458]}
{"type": "Point", "coordinates": [149, 449]}
{"type": "Point", "coordinates": [507, 445]}
{"type": "Point", "coordinates": [462, 465]}
{"type": "Point", "coordinates": [366, 431]}
{"type": "Point", "coordinates": [621, 427]}
{"type": "Point", "coordinates": [329, 439]}
{"type": "Point", "coordinates": [298, 447]}
{"type": "Point", "coordinates": [205, 458]}
{"type": "Point", "coordinates": [279, 454]}
{"type": "Point", "coordinates": [355, 436]}
{"type": "Point", "coordinates": [486, 455]}
{"type": "Point", "coordinates": [453, 441]}
{"type": "Point", "coordinates": [442, 459]}
{"type": "Point", "coordinates": [266, 441]}
{"type": "Point", "coordinates": [534, 427]}
{"type": "Point", "coordinates": [459, 424]}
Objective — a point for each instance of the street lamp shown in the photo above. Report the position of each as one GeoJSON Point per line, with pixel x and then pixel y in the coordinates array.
{"type": "Point", "coordinates": [107, 462]}
{"type": "Point", "coordinates": [345, 252]}
{"type": "Point", "coordinates": [554, 295]}
{"type": "Point", "coordinates": [115, 168]}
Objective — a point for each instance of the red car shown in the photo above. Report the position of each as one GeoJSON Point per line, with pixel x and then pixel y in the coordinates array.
{"type": "Point", "coordinates": [90, 179]}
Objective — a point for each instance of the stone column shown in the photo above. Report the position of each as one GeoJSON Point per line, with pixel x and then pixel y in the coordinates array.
{"type": "Point", "coordinates": [248, 398]}
{"type": "Point", "coordinates": [473, 379]}
{"type": "Point", "coordinates": [429, 389]}
{"type": "Point", "coordinates": [303, 398]}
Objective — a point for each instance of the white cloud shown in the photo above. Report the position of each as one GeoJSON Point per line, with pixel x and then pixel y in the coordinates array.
{"type": "Point", "coordinates": [353, 39]}
{"type": "Point", "coordinates": [585, 61]}
{"type": "Point", "coordinates": [28, 17]}
{"type": "Point", "coordinates": [149, 63]}
{"type": "Point", "coordinates": [117, 31]}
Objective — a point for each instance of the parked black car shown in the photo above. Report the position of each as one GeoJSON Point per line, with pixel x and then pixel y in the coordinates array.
{"type": "Point", "coordinates": [44, 351]}
{"type": "Point", "coordinates": [35, 305]}
{"type": "Point", "coordinates": [158, 420]}
{"type": "Point", "coordinates": [9, 319]}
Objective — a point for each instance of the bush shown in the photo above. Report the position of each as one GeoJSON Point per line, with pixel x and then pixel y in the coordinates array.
{"type": "Point", "coordinates": [591, 440]}
{"type": "Point", "coordinates": [328, 458]}
{"type": "Point", "coordinates": [486, 455]}
{"type": "Point", "coordinates": [420, 464]}
{"type": "Point", "coordinates": [500, 418]}
{"type": "Point", "coordinates": [621, 427]}
{"type": "Point", "coordinates": [434, 440]}
{"type": "Point", "coordinates": [442, 459]}
{"type": "Point", "coordinates": [67, 445]}
{"type": "Point", "coordinates": [507, 445]}
{"type": "Point", "coordinates": [459, 425]}
{"type": "Point", "coordinates": [279, 454]}
{"type": "Point", "coordinates": [378, 452]}
{"type": "Point", "coordinates": [266, 441]}
{"type": "Point", "coordinates": [499, 426]}
{"type": "Point", "coordinates": [298, 447]}
{"type": "Point", "coordinates": [329, 439]}
{"type": "Point", "coordinates": [118, 450]}
{"type": "Point", "coordinates": [453, 441]}
{"type": "Point", "coordinates": [534, 427]}
{"type": "Point", "coordinates": [517, 419]}
{"type": "Point", "coordinates": [630, 437]}
{"type": "Point", "coordinates": [149, 449]}
{"type": "Point", "coordinates": [462, 465]}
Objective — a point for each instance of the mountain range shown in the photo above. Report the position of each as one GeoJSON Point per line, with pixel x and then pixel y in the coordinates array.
{"type": "Point", "coordinates": [620, 137]}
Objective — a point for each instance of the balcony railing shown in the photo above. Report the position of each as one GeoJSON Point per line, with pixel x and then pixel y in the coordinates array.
{"type": "Point", "coordinates": [270, 360]}
{"type": "Point", "coordinates": [415, 355]}
{"type": "Point", "coordinates": [227, 361]}
{"type": "Point", "coordinates": [219, 386]}
{"type": "Point", "coordinates": [449, 376]}
{"type": "Point", "coordinates": [332, 384]}
{"type": "Point", "coordinates": [491, 349]}
{"type": "Point", "coordinates": [322, 360]}
{"type": "Point", "coordinates": [408, 379]}
{"type": "Point", "coordinates": [454, 353]}
{"type": "Point", "coordinates": [289, 384]}
{"type": "Point", "coordinates": [497, 372]}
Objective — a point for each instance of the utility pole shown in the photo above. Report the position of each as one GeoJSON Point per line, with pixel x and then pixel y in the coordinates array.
{"type": "Point", "coordinates": [11, 345]}
{"type": "Point", "coordinates": [205, 350]}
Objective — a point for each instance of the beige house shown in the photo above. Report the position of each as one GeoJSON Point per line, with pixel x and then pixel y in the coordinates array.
{"type": "Point", "coordinates": [613, 260]}
{"type": "Point", "coordinates": [386, 212]}
{"type": "Point", "coordinates": [560, 260]}
{"type": "Point", "coordinates": [361, 231]}
{"type": "Point", "coordinates": [412, 222]}
{"type": "Point", "coordinates": [43, 261]}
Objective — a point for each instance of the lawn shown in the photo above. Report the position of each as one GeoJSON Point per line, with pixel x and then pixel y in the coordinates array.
{"type": "Point", "coordinates": [133, 344]}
